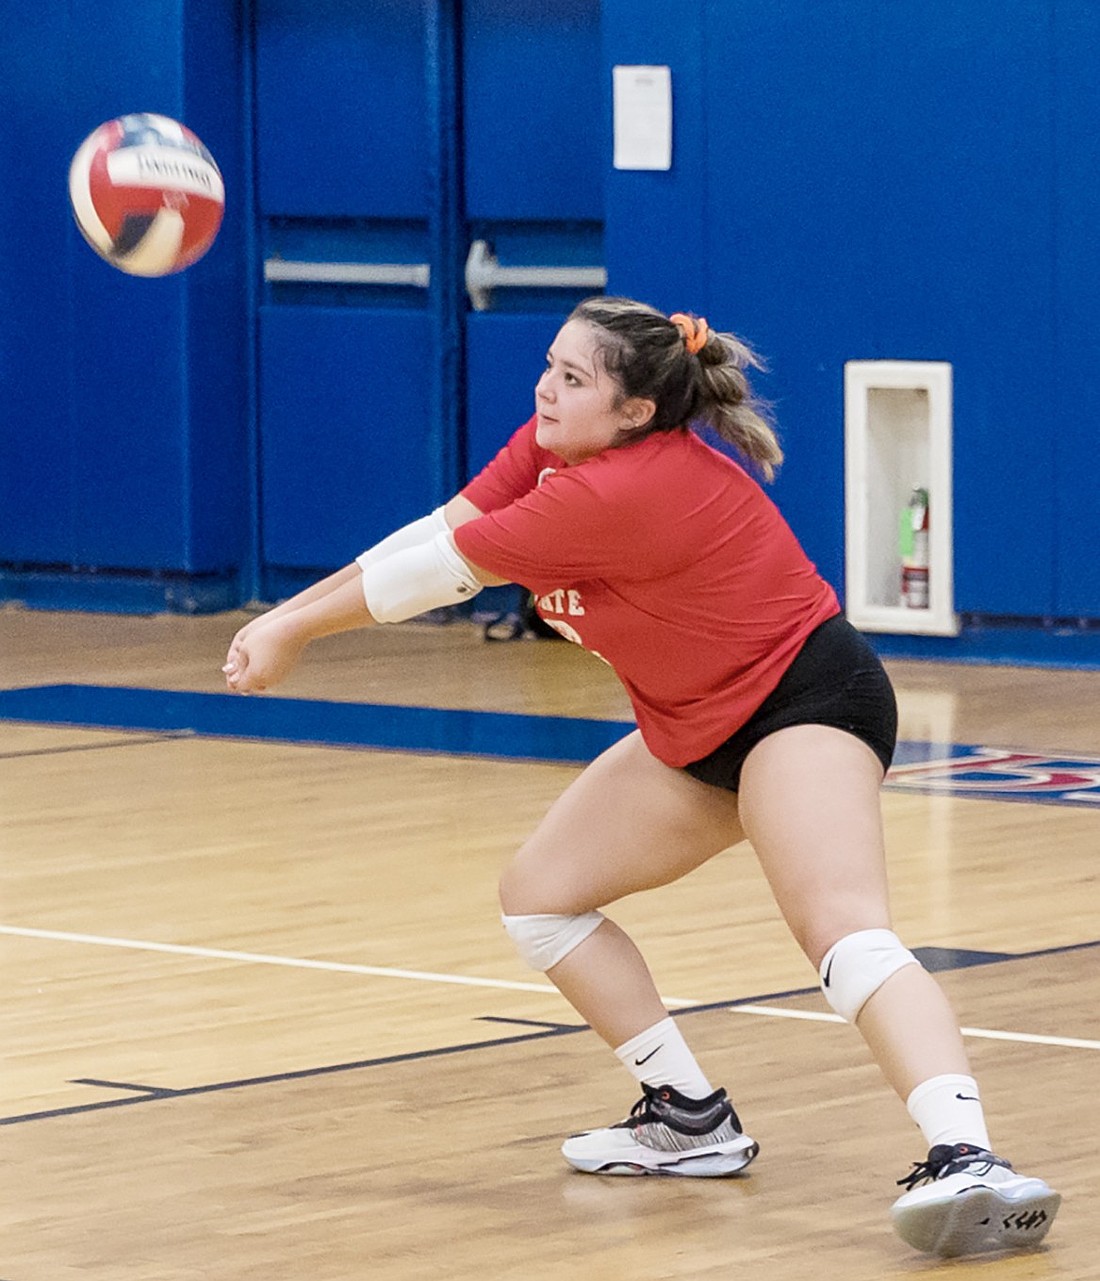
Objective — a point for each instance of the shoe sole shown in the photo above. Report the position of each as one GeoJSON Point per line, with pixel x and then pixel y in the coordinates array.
{"type": "Point", "coordinates": [705, 1163]}
{"type": "Point", "coordinates": [976, 1221]}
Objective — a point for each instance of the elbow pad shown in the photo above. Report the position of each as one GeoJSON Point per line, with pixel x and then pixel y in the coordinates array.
{"type": "Point", "coordinates": [416, 579]}
{"type": "Point", "coordinates": [411, 535]}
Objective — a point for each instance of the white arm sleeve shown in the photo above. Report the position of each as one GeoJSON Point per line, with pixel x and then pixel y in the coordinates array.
{"type": "Point", "coordinates": [416, 579]}
{"type": "Point", "coordinates": [411, 535]}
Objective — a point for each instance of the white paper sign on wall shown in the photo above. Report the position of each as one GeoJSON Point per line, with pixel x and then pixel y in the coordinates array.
{"type": "Point", "coordinates": [642, 98]}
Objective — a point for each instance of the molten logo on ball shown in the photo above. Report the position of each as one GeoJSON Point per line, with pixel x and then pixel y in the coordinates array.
{"type": "Point", "coordinates": [146, 194]}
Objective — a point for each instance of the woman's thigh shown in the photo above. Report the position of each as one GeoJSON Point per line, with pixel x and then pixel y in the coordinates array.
{"type": "Point", "coordinates": [810, 805]}
{"type": "Point", "coordinates": [627, 823]}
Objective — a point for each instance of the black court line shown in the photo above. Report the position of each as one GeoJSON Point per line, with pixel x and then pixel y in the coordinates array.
{"type": "Point", "coordinates": [1050, 951]}
{"type": "Point", "coordinates": [413, 1056]}
{"type": "Point", "coordinates": [121, 1085]}
{"type": "Point", "coordinates": [275, 1078]}
{"type": "Point", "coordinates": [133, 741]}
{"type": "Point", "coordinates": [559, 1027]}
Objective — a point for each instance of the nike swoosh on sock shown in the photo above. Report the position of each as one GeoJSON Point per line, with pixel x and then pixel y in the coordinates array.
{"type": "Point", "coordinates": [647, 1057]}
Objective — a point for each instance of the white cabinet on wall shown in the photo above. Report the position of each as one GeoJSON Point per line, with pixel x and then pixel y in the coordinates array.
{"type": "Point", "coordinates": [897, 439]}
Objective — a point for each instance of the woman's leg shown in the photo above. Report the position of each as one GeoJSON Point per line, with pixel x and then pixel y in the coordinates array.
{"type": "Point", "coordinates": [627, 823]}
{"type": "Point", "coordinates": [810, 807]}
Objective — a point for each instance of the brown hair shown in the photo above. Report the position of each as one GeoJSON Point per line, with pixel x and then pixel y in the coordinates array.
{"type": "Point", "coordinates": [646, 353]}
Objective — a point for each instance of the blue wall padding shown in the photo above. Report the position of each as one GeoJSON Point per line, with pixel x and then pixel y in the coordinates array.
{"type": "Point", "coordinates": [893, 181]}
{"type": "Point", "coordinates": [533, 104]}
{"type": "Point", "coordinates": [850, 181]}
{"type": "Point", "coordinates": [659, 242]}
{"type": "Point", "coordinates": [339, 108]}
{"type": "Point", "coordinates": [1071, 388]}
{"type": "Point", "coordinates": [505, 357]}
{"type": "Point", "coordinates": [123, 443]}
{"type": "Point", "coordinates": [343, 398]}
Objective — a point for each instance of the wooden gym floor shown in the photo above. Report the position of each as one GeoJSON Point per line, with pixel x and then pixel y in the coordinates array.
{"type": "Point", "coordinates": [262, 1024]}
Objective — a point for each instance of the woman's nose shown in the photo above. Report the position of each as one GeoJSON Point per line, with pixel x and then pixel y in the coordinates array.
{"type": "Point", "coordinates": [543, 388]}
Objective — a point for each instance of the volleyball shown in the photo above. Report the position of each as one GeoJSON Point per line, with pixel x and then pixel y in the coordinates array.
{"type": "Point", "coordinates": [146, 194]}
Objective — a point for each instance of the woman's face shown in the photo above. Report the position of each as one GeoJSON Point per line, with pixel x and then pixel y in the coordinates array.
{"type": "Point", "coordinates": [580, 406]}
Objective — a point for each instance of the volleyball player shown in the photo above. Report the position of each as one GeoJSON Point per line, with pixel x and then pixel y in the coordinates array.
{"type": "Point", "coordinates": [762, 716]}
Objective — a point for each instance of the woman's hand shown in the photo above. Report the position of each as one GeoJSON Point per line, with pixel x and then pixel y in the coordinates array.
{"type": "Point", "coordinates": [265, 650]}
{"type": "Point", "coordinates": [262, 654]}
{"type": "Point", "coordinates": [235, 643]}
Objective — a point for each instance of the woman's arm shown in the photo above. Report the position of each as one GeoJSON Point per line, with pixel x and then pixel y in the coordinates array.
{"type": "Point", "coordinates": [305, 597]}
{"type": "Point", "coordinates": [458, 511]}
{"type": "Point", "coordinates": [266, 650]}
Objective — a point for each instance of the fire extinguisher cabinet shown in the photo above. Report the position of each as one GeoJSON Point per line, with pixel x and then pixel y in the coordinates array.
{"type": "Point", "coordinates": [897, 438]}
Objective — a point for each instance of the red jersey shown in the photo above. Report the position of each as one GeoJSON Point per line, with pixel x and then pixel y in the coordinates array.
{"type": "Point", "coordinates": [665, 559]}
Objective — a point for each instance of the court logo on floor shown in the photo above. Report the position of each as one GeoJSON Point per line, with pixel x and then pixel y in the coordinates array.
{"type": "Point", "coordinates": [996, 774]}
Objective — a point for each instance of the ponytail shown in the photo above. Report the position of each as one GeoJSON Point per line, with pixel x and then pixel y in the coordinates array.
{"type": "Point", "coordinates": [691, 373]}
{"type": "Point", "coordinates": [726, 402]}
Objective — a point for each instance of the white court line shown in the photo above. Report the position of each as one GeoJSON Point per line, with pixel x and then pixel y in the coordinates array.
{"type": "Point", "coordinates": [508, 985]}
{"type": "Point", "coordinates": [298, 963]}
{"type": "Point", "coordinates": [1027, 1038]}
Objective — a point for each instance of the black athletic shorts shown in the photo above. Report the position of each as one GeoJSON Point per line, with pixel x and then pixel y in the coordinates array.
{"type": "Point", "coordinates": [836, 679]}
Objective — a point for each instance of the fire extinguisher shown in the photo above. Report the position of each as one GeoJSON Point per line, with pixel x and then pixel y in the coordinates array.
{"type": "Point", "coordinates": [913, 546]}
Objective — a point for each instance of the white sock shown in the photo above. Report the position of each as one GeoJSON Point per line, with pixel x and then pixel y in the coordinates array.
{"type": "Point", "coordinates": [948, 1109]}
{"type": "Point", "coordinates": [660, 1056]}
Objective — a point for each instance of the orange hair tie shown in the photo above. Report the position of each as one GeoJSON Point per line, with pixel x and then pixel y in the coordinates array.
{"type": "Point", "coordinates": [695, 331]}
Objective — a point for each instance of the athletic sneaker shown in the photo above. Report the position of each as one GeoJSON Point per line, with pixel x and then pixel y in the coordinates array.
{"type": "Point", "coordinates": [666, 1133]}
{"type": "Point", "coordinates": [971, 1201]}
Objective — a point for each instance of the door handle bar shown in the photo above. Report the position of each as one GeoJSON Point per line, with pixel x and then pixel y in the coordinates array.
{"type": "Point", "coordinates": [484, 274]}
{"type": "Point", "coordinates": [418, 274]}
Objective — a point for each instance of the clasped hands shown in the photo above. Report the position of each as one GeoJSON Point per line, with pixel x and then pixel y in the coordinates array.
{"type": "Point", "coordinates": [263, 653]}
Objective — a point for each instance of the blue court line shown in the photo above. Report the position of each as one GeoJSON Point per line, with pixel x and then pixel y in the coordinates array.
{"type": "Point", "coordinates": [310, 721]}
{"type": "Point", "coordinates": [961, 770]}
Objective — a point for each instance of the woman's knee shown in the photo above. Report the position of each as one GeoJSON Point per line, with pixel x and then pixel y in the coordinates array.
{"type": "Point", "coordinates": [546, 939]}
{"type": "Point", "coordinates": [529, 884]}
{"type": "Point", "coordinates": [857, 965]}
{"type": "Point", "coordinates": [513, 889]}
{"type": "Point", "coordinates": [818, 933]}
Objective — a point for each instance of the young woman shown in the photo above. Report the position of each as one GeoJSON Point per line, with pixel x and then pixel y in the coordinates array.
{"type": "Point", "coordinates": [762, 716]}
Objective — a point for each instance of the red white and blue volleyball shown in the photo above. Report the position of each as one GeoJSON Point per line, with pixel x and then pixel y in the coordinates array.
{"type": "Point", "coordinates": [147, 195]}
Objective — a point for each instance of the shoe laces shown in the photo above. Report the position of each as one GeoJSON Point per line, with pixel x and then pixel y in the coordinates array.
{"type": "Point", "coordinates": [662, 1105]}
{"type": "Point", "coordinates": [946, 1159]}
{"type": "Point", "coordinates": [642, 1111]}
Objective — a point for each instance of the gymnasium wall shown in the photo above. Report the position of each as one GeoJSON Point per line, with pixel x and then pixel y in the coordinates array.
{"type": "Point", "coordinates": [864, 181]}
{"type": "Point", "coordinates": [850, 180]}
{"type": "Point", "coordinates": [124, 427]}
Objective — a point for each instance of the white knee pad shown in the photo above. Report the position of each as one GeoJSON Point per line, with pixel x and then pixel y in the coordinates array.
{"type": "Point", "coordinates": [856, 966]}
{"type": "Point", "coordinates": [543, 941]}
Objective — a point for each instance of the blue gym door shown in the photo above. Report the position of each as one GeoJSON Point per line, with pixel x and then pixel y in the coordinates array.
{"type": "Point", "coordinates": [429, 207]}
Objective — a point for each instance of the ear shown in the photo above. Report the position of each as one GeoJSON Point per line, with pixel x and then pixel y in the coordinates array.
{"type": "Point", "coordinates": [638, 411]}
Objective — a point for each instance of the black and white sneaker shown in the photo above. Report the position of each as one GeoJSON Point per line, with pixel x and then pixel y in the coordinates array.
{"type": "Point", "coordinates": [667, 1133]}
{"type": "Point", "coordinates": [965, 1200]}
